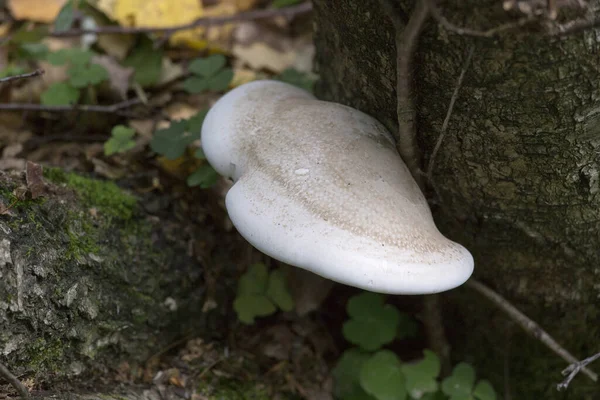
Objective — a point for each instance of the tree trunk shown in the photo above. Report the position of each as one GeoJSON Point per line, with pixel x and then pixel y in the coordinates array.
{"type": "Point", "coordinates": [517, 175]}
{"type": "Point", "coordinates": [89, 280]}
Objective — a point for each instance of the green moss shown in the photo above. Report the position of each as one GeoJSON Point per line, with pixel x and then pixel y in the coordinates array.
{"type": "Point", "coordinates": [82, 237]}
{"type": "Point", "coordinates": [46, 354]}
{"type": "Point", "coordinates": [106, 197]}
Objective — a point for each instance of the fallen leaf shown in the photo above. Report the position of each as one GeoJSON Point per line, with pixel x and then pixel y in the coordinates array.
{"type": "Point", "coordinates": [14, 164]}
{"type": "Point", "coordinates": [12, 150]}
{"type": "Point", "coordinates": [242, 75]}
{"type": "Point", "coordinates": [34, 176]}
{"type": "Point", "coordinates": [118, 76]}
{"type": "Point", "coordinates": [44, 11]}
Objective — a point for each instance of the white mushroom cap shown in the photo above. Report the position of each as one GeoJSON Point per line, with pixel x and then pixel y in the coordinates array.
{"type": "Point", "coordinates": [320, 186]}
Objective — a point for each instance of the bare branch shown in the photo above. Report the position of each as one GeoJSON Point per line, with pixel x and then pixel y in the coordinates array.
{"type": "Point", "coordinates": [439, 17]}
{"type": "Point", "coordinates": [22, 76]}
{"type": "Point", "coordinates": [449, 113]}
{"type": "Point", "coordinates": [406, 38]}
{"type": "Point", "coordinates": [574, 369]}
{"type": "Point", "coordinates": [287, 12]}
{"type": "Point", "coordinates": [14, 381]}
{"type": "Point", "coordinates": [528, 325]}
{"type": "Point", "coordinates": [576, 26]}
{"type": "Point", "coordinates": [113, 108]}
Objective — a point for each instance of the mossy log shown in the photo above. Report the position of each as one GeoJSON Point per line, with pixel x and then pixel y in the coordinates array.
{"type": "Point", "coordinates": [88, 279]}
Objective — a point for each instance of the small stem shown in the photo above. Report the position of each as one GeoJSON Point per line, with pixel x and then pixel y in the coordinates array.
{"type": "Point", "coordinates": [14, 381]}
{"type": "Point", "coordinates": [113, 108]}
{"type": "Point", "coordinates": [22, 76]}
{"type": "Point", "coordinates": [434, 326]}
{"type": "Point", "coordinates": [449, 114]}
{"type": "Point", "coordinates": [527, 324]}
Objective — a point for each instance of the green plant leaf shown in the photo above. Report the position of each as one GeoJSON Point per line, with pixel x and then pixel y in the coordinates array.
{"type": "Point", "coordinates": [27, 34]}
{"type": "Point", "coordinates": [372, 324]}
{"type": "Point", "coordinates": [459, 385]}
{"type": "Point", "coordinates": [220, 82]}
{"type": "Point", "coordinates": [251, 300]}
{"type": "Point", "coordinates": [484, 391]}
{"type": "Point", "coordinates": [81, 76]}
{"type": "Point", "coordinates": [12, 70]}
{"type": "Point", "coordinates": [251, 306]}
{"type": "Point", "coordinates": [278, 292]}
{"type": "Point", "coordinates": [434, 396]}
{"type": "Point", "coordinates": [34, 51]}
{"type": "Point", "coordinates": [205, 177]}
{"type": "Point", "coordinates": [381, 376]}
{"type": "Point", "coordinates": [195, 124]}
{"type": "Point", "coordinates": [65, 18]}
{"type": "Point", "coordinates": [147, 62]}
{"type": "Point", "coordinates": [195, 84]}
{"type": "Point", "coordinates": [421, 376]}
{"type": "Point", "coordinates": [172, 142]}
{"type": "Point", "coordinates": [74, 56]}
{"type": "Point", "coordinates": [120, 141]}
{"type": "Point", "coordinates": [60, 94]}
{"type": "Point", "coordinates": [199, 154]}
{"type": "Point", "coordinates": [346, 375]}
{"type": "Point", "coordinates": [254, 280]}
{"type": "Point", "coordinates": [208, 66]}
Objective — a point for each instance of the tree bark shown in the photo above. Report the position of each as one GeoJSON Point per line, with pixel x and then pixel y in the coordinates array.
{"type": "Point", "coordinates": [88, 279]}
{"type": "Point", "coordinates": [517, 174]}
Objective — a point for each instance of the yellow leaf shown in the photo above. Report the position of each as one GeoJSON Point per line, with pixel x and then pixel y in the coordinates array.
{"type": "Point", "coordinates": [35, 10]}
{"type": "Point", "coordinates": [159, 13]}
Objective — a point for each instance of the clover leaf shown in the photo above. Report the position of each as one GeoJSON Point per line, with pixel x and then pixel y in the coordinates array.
{"type": "Point", "coordinates": [381, 376]}
{"type": "Point", "coordinates": [60, 94]}
{"type": "Point", "coordinates": [208, 74]}
{"type": "Point", "coordinates": [372, 324]}
{"type": "Point", "coordinates": [208, 66]}
{"type": "Point", "coordinates": [204, 177]}
{"type": "Point", "coordinates": [121, 140]}
{"type": "Point", "coordinates": [421, 376]}
{"type": "Point", "coordinates": [484, 391]}
{"type": "Point", "coordinates": [146, 60]}
{"type": "Point", "coordinates": [81, 75]}
{"type": "Point", "coordinates": [260, 293]}
{"type": "Point", "coordinates": [278, 292]}
{"type": "Point", "coordinates": [346, 375]}
{"type": "Point", "coordinates": [172, 142]}
{"type": "Point", "coordinates": [459, 385]}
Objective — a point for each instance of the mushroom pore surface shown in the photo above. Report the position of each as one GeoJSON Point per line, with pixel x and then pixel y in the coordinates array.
{"type": "Point", "coordinates": [321, 186]}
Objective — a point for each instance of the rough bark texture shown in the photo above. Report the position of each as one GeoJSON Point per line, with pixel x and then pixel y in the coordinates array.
{"type": "Point", "coordinates": [87, 280]}
{"type": "Point", "coordinates": [518, 173]}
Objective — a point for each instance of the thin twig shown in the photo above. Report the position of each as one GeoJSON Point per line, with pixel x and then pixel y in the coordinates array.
{"type": "Point", "coordinates": [14, 381]}
{"type": "Point", "coordinates": [436, 149]}
{"type": "Point", "coordinates": [575, 26]}
{"type": "Point", "coordinates": [528, 324]}
{"type": "Point", "coordinates": [574, 369]}
{"type": "Point", "coordinates": [204, 21]}
{"type": "Point", "coordinates": [436, 336]}
{"type": "Point", "coordinates": [439, 17]}
{"type": "Point", "coordinates": [113, 108]}
{"type": "Point", "coordinates": [28, 75]}
{"type": "Point", "coordinates": [407, 37]}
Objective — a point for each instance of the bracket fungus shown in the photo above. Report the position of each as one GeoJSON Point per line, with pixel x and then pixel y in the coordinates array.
{"type": "Point", "coordinates": [320, 186]}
